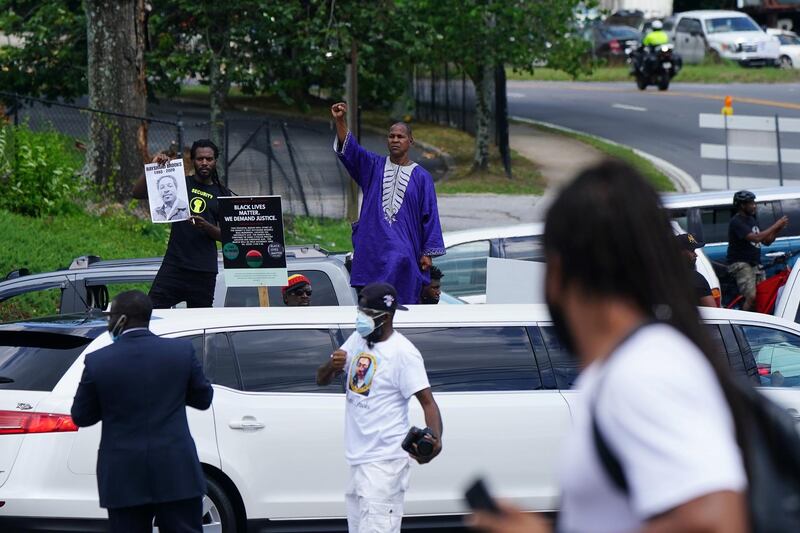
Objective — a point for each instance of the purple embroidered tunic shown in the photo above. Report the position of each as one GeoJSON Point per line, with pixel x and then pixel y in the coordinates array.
{"type": "Point", "coordinates": [398, 224]}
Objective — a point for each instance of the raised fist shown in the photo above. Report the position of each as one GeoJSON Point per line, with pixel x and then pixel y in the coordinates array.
{"type": "Point", "coordinates": [338, 110]}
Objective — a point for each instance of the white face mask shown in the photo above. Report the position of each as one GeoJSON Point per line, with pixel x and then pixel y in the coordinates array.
{"type": "Point", "coordinates": [365, 324]}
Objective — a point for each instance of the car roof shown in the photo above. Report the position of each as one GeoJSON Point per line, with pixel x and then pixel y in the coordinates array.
{"type": "Point", "coordinates": [712, 13]}
{"type": "Point", "coordinates": [709, 198]}
{"type": "Point", "coordinates": [294, 254]}
{"type": "Point", "coordinates": [452, 238]}
{"type": "Point", "coordinates": [170, 321]}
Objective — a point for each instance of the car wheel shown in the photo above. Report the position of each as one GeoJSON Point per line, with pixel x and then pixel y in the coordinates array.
{"type": "Point", "coordinates": [785, 62]}
{"type": "Point", "coordinates": [219, 515]}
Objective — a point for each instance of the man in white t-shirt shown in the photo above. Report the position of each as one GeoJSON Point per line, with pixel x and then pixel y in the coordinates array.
{"type": "Point", "coordinates": [384, 370]}
{"type": "Point", "coordinates": [651, 388]}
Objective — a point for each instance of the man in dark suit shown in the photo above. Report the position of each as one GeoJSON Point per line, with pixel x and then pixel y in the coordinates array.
{"type": "Point", "coordinates": [139, 387]}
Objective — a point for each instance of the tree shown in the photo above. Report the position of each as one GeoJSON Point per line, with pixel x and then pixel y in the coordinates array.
{"type": "Point", "coordinates": [51, 62]}
{"type": "Point", "coordinates": [479, 35]}
{"type": "Point", "coordinates": [116, 81]}
{"type": "Point", "coordinates": [238, 42]}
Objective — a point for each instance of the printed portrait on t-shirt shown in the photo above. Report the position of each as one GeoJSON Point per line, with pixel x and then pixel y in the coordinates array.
{"type": "Point", "coordinates": [362, 370]}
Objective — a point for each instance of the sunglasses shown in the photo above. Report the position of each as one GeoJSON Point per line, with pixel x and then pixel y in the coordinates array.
{"type": "Point", "coordinates": [300, 292]}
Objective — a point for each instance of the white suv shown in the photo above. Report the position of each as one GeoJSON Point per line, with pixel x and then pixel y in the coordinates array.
{"type": "Point", "coordinates": [272, 443]}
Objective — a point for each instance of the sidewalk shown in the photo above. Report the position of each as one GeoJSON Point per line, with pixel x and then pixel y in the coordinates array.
{"type": "Point", "coordinates": [559, 159]}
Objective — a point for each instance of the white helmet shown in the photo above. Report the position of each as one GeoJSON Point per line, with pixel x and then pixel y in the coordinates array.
{"type": "Point", "coordinates": [657, 25]}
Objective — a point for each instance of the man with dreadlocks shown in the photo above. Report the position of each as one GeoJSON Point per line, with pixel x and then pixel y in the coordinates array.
{"type": "Point", "coordinates": [398, 231]}
{"type": "Point", "coordinates": [189, 270]}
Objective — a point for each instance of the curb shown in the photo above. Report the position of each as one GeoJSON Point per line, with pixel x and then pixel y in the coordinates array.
{"type": "Point", "coordinates": [683, 181]}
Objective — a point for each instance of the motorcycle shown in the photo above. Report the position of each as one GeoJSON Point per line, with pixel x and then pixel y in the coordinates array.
{"type": "Point", "coordinates": [654, 65]}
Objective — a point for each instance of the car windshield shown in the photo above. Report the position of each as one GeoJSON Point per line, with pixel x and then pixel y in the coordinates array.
{"type": "Point", "coordinates": [727, 24]}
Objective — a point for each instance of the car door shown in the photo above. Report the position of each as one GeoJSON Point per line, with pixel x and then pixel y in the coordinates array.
{"type": "Point", "coordinates": [280, 436]}
{"type": "Point", "coordinates": [776, 352]}
{"type": "Point", "coordinates": [500, 422]}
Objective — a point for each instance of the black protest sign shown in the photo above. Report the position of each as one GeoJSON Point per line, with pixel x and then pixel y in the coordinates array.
{"type": "Point", "coordinates": [253, 243]}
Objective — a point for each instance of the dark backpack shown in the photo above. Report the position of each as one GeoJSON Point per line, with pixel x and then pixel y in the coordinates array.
{"type": "Point", "coordinates": [772, 456]}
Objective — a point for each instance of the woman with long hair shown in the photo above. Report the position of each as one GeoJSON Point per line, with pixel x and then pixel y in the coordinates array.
{"type": "Point", "coordinates": [654, 396]}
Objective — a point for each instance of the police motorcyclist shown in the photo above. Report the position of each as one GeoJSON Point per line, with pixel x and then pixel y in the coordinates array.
{"type": "Point", "coordinates": [657, 36]}
{"type": "Point", "coordinates": [744, 245]}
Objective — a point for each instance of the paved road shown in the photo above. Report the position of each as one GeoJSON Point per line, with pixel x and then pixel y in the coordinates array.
{"type": "Point", "coordinates": [664, 124]}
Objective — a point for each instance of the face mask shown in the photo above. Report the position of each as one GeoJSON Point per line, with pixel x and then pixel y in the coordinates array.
{"type": "Point", "coordinates": [116, 330]}
{"type": "Point", "coordinates": [364, 324]}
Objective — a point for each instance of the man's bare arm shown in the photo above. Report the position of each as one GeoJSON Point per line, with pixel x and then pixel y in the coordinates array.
{"type": "Point", "coordinates": [769, 235]}
{"type": "Point", "coordinates": [339, 113]}
{"type": "Point", "coordinates": [718, 512]}
{"type": "Point", "coordinates": [433, 419]}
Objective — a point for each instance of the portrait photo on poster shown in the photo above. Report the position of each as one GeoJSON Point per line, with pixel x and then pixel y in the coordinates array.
{"type": "Point", "coordinates": [166, 191]}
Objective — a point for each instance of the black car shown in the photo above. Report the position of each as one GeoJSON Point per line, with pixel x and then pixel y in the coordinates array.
{"type": "Point", "coordinates": [610, 41]}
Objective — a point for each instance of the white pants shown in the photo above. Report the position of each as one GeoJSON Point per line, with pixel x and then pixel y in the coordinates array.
{"type": "Point", "coordinates": [374, 496]}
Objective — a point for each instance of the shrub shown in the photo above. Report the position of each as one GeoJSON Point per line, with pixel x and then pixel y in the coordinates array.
{"type": "Point", "coordinates": [39, 171]}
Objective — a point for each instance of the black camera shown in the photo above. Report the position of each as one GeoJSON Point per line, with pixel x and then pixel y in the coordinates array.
{"type": "Point", "coordinates": [417, 436]}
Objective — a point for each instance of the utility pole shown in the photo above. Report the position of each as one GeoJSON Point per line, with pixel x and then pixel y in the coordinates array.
{"type": "Point", "coordinates": [351, 84]}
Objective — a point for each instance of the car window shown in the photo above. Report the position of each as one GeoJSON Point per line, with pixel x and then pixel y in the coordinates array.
{"type": "Point", "coordinates": [791, 208]}
{"type": "Point", "coordinates": [620, 32]}
{"type": "Point", "coordinates": [219, 364]}
{"type": "Point", "coordinates": [464, 268]}
{"type": "Point", "coordinates": [777, 355]}
{"type": "Point", "coordinates": [466, 359]}
{"type": "Point", "coordinates": [36, 361]}
{"type": "Point", "coordinates": [323, 292]}
{"type": "Point", "coordinates": [687, 25]}
{"type": "Point", "coordinates": [715, 223]}
{"type": "Point", "coordinates": [730, 24]}
{"type": "Point", "coordinates": [565, 365]}
{"type": "Point", "coordinates": [100, 293]}
{"type": "Point", "coordinates": [37, 302]}
{"type": "Point", "coordinates": [282, 360]}
{"type": "Point", "coordinates": [529, 248]}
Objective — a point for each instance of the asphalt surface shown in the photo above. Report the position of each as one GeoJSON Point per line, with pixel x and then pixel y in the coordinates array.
{"type": "Point", "coordinates": [665, 124]}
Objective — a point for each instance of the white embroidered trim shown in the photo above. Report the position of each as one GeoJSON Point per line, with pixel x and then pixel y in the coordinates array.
{"type": "Point", "coordinates": [344, 144]}
{"type": "Point", "coordinates": [395, 183]}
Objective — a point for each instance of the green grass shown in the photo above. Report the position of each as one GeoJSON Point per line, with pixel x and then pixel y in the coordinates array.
{"type": "Point", "coordinates": [51, 243]}
{"type": "Point", "coordinates": [703, 73]}
{"type": "Point", "coordinates": [331, 234]}
{"type": "Point", "coordinates": [645, 167]}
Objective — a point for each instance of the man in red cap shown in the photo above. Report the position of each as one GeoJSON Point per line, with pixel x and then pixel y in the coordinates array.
{"type": "Point", "coordinates": [297, 292]}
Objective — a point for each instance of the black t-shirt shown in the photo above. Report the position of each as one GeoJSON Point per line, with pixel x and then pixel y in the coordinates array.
{"type": "Point", "coordinates": [701, 286]}
{"type": "Point", "coordinates": [190, 247]}
{"type": "Point", "coordinates": [740, 250]}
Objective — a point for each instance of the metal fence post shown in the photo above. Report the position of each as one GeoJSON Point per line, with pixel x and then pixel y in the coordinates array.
{"type": "Point", "coordinates": [778, 144]}
{"type": "Point", "coordinates": [446, 95]}
{"type": "Point", "coordinates": [179, 127]}
{"type": "Point", "coordinates": [225, 154]}
{"type": "Point", "coordinates": [269, 159]}
{"type": "Point", "coordinates": [464, 101]}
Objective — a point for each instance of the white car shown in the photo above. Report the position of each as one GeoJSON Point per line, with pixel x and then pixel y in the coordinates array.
{"type": "Point", "coordinates": [729, 35]}
{"type": "Point", "coordinates": [464, 265]}
{"type": "Point", "coordinates": [790, 47]}
{"type": "Point", "coordinates": [272, 443]}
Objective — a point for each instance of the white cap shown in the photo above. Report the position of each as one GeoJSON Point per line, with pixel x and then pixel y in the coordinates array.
{"type": "Point", "coordinates": [657, 25]}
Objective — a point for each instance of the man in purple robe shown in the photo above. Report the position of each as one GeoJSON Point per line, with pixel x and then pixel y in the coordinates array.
{"type": "Point", "coordinates": [398, 231]}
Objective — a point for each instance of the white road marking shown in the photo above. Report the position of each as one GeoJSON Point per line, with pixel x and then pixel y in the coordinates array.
{"type": "Point", "coordinates": [516, 95]}
{"type": "Point", "coordinates": [629, 107]}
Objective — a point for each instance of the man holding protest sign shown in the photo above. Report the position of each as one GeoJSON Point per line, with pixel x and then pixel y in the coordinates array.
{"type": "Point", "coordinates": [398, 231]}
{"type": "Point", "coordinates": [189, 270]}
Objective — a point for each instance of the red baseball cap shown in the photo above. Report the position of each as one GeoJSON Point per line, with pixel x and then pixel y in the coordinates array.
{"type": "Point", "coordinates": [295, 280]}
